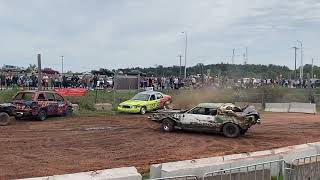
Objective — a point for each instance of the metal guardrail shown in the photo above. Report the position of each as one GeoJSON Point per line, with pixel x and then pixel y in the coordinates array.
{"type": "Point", "coordinates": [304, 168]}
{"type": "Point", "coordinates": [259, 171]}
{"type": "Point", "coordinates": [186, 177]}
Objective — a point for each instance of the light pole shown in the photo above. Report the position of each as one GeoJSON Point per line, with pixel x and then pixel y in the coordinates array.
{"type": "Point", "coordinates": [295, 62]}
{"type": "Point", "coordinates": [301, 67]}
{"type": "Point", "coordinates": [185, 55]}
{"type": "Point", "coordinates": [61, 65]}
{"type": "Point", "coordinates": [180, 56]}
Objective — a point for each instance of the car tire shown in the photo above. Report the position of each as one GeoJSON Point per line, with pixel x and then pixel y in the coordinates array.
{"type": "Point", "coordinates": [42, 115]}
{"type": "Point", "coordinates": [4, 119]}
{"type": "Point", "coordinates": [143, 110]}
{"type": "Point", "coordinates": [167, 125]}
{"type": "Point", "coordinates": [69, 111]}
{"type": "Point", "coordinates": [231, 130]}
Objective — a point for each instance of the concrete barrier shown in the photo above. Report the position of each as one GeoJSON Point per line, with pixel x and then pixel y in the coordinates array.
{"type": "Point", "coordinates": [39, 178]}
{"type": "Point", "coordinates": [303, 108]}
{"type": "Point", "coordinates": [103, 107]}
{"type": "Point", "coordinates": [199, 167]}
{"type": "Point", "coordinates": [127, 173]}
{"type": "Point", "coordinates": [277, 107]}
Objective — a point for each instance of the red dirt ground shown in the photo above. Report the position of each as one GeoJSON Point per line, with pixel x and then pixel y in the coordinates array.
{"type": "Point", "coordinates": [59, 145]}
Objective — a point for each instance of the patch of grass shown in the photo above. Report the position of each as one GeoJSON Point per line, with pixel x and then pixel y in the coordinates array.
{"type": "Point", "coordinates": [275, 178]}
{"type": "Point", "coordinates": [145, 174]}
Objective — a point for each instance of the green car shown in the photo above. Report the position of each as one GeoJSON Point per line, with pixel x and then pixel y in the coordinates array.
{"type": "Point", "coordinates": [145, 101]}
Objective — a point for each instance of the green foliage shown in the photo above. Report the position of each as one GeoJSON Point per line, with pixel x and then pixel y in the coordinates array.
{"type": "Point", "coordinates": [6, 95]}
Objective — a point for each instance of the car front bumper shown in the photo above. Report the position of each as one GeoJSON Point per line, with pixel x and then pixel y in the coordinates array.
{"type": "Point", "coordinates": [20, 114]}
{"type": "Point", "coordinates": [129, 110]}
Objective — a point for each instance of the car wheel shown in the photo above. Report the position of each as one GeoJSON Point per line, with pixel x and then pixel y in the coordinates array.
{"type": "Point", "coordinates": [231, 130]}
{"type": "Point", "coordinates": [143, 110]}
{"type": "Point", "coordinates": [69, 111]}
{"type": "Point", "coordinates": [42, 115]}
{"type": "Point", "coordinates": [167, 125]}
{"type": "Point", "coordinates": [4, 119]}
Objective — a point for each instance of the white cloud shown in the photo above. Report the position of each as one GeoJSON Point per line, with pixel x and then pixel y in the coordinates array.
{"type": "Point", "coordinates": [113, 34]}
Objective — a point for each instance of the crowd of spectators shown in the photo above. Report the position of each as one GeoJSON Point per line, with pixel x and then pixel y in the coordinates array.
{"type": "Point", "coordinates": [89, 81]}
{"type": "Point", "coordinates": [9, 80]}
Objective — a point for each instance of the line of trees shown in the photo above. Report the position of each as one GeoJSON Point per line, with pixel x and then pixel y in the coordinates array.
{"type": "Point", "coordinates": [229, 70]}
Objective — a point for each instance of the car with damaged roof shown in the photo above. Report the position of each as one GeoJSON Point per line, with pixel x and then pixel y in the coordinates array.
{"type": "Point", "coordinates": [228, 119]}
{"type": "Point", "coordinates": [145, 102]}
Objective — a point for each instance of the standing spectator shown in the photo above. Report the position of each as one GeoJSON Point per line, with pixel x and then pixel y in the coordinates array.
{"type": "Point", "coordinates": [45, 80]}
{"type": "Point", "coordinates": [64, 82]}
{"type": "Point", "coordinates": [176, 83]}
{"type": "Point", "coordinates": [34, 80]}
{"type": "Point", "coordinates": [95, 81]}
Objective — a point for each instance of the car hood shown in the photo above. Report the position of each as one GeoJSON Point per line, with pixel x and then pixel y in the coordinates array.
{"type": "Point", "coordinates": [133, 103]}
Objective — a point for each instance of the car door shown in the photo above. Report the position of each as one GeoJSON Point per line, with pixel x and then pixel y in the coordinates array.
{"type": "Point", "coordinates": [62, 105]}
{"type": "Point", "coordinates": [153, 102]}
{"type": "Point", "coordinates": [160, 100]}
{"type": "Point", "coordinates": [52, 104]}
{"type": "Point", "coordinates": [198, 117]}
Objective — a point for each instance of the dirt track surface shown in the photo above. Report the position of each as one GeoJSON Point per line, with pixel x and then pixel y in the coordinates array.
{"type": "Point", "coordinates": [59, 146]}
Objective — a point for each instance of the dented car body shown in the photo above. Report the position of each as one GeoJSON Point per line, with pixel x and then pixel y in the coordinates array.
{"type": "Point", "coordinates": [228, 119]}
{"type": "Point", "coordinates": [41, 104]}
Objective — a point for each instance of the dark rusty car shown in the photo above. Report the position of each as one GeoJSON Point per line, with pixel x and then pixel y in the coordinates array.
{"type": "Point", "coordinates": [41, 104]}
{"type": "Point", "coordinates": [6, 110]}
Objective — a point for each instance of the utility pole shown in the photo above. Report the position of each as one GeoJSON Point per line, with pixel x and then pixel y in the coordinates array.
{"type": "Point", "coordinates": [246, 55]}
{"type": "Point", "coordinates": [39, 73]}
{"type": "Point", "coordinates": [233, 54]}
{"type": "Point", "coordinates": [295, 62]}
{"type": "Point", "coordinates": [312, 69]}
{"type": "Point", "coordinates": [61, 65]}
{"type": "Point", "coordinates": [301, 67]}
{"type": "Point", "coordinates": [180, 57]}
{"type": "Point", "coordinates": [185, 55]}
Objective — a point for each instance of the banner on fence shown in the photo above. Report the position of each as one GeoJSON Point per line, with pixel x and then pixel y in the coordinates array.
{"type": "Point", "coordinates": [71, 91]}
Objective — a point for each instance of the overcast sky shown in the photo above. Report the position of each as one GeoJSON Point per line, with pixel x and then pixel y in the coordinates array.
{"type": "Point", "coordinates": [126, 33]}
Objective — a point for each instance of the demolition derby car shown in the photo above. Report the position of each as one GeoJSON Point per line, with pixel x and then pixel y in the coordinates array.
{"type": "Point", "coordinates": [41, 104]}
{"type": "Point", "coordinates": [227, 119]}
{"type": "Point", "coordinates": [6, 110]}
{"type": "Point", "coordinates": [145, 101]}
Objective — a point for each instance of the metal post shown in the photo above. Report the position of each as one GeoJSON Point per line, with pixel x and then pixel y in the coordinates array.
{"type": "Point", "coordinates": [233, 54]}
{"type": "Point", "coordinates": [295, 62]}
{"type": "Point", "coordinates": [180, 56]}
{"type": "Point", "coordinates": [61, 65]}
{"type": "Point", "coordinates": [39, 73]}
{"type": "Point", "coordinates": [301, 66]}
{"type": "Point", "coordinates": [185, 55]}
{"type": "Point", "coordinates": [312, 69]}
